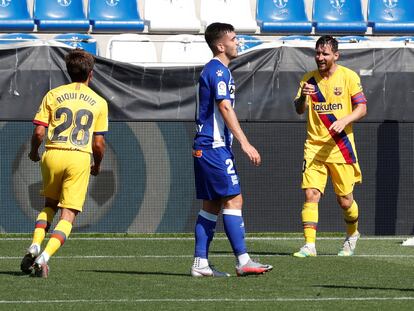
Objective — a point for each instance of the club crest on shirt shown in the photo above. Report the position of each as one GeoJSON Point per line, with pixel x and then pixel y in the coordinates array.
{"type": "Point", "coordinates": [221, 88]}
{"type": "Point", "coordinates": [337, 91]}
{"type": "Point", "coordinates": [219, 73]}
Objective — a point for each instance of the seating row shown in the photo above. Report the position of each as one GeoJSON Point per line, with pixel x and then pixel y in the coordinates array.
{"type": "Point", "coordinates": [272, 16]}
{"type": "Point", "coordinates": [177, 49]}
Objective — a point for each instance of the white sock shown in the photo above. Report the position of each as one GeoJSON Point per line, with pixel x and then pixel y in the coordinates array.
{"type": "Point", "coordinates": [43, 258]}
{"type": "Point", "coordinates": [243, 259]}
{"type": "Point", "coordinates": [200, 262]}
{"type": "Point", "coordinates": [34, 249]}
{"type": "Point", "coordinates": [312, 245]}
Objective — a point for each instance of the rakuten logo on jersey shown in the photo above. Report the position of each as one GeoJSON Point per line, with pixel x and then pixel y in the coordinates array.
{"type": "Point", "coordinates": [326, 107]}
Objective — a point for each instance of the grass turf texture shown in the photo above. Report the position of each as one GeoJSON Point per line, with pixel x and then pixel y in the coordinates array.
{"type": "Point", "coordinates": [151, 272]}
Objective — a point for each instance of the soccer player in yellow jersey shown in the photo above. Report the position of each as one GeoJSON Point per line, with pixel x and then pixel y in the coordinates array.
{"type": "Point", "coordinates": [333, 97]}
{"type": "Point", "coordinates": [76, 119]}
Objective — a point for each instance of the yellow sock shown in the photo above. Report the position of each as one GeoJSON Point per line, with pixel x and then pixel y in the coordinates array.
{"type": "Point", "coordinates": [43, 222]}
{"type": "Point", "coordinates": [310, 221]}
{"type": "Point", "coordinates": [58, 237]}
{"type": "Point", "coordinates": [351, 219]}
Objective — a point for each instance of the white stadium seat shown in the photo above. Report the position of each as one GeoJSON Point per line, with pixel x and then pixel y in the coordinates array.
{"type": "Point", "coordinates": [171, 16]}
{"type": "Point", "coordinates": [235, 12]}
{"type": "Point", "coordinates": [131, 48]}
{"type": "Point", "coordinates": [186, 49]}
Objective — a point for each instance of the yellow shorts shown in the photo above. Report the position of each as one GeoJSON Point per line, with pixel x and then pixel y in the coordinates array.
{"type": "Point", "coordinates": [343, 175]}
{"type": "Point", "coordinates": [66, 176]}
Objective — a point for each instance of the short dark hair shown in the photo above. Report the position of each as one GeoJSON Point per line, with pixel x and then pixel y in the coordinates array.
{"type": "Point", "coordinates": [79, 64]}
{"type": "Point", "coordinates": [328, 40]}
{"type": "Point", "coordinates": [215, 31]}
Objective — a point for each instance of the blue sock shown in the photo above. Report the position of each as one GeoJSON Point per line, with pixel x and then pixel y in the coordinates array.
{"type": "Point", "coordinates": [204, 233]}
{"type": "Point", "coordinates": [234, 227]}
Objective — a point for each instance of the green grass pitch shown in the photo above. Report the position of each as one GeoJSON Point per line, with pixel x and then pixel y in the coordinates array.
{"type": "Point", "coordinates": [151, 272]}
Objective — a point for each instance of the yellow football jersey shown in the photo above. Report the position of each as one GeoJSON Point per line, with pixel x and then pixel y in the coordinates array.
{"type": "Point", "coordinates": [334, 99]}
{"type": "Point", "coordinates": [72, 113]}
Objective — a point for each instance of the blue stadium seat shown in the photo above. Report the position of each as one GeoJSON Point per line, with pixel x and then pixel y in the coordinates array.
{"type": "Point", "coordinates": [352, 39]}
{"type": "Point", "coordinates": [79, 40]}
{"type": "Point", "coordinates": [281, 16]}
{"type": "Point", "coordinates": [60, 15]}
{"type": "Point", "coordinates": [338, 16]}
{"type": "Point", "coordinates": [391, 17]}
{"type": "Point", "coordinates": [115, 16]}
{"type": "Point", "coordinates": [15, 16]}
{"type": "Point", "coordinates": [11, 38]}
{"type": "Point", "coordinates": [247, 42]}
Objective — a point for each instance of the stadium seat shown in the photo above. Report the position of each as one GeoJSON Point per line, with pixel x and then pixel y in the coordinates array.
{"type": "Point", "coordinates": [235, 12]}
{"type": "Point", "coordinates": [131, 48]}
{"type": "Point", "coordinates": [391, 17]}
{"type": "Point", "coordinates": [171, 15]}
{"type": "Point", "coordinates": [351, 39]}
{"type": "Point", "coordinates": [283, 16]}
{"type": "Point", "coordinates": [60, 15]}
{"type": "Point", "coordinates": [79, 40]}
{"type": "Point", "coordinates": [185, 49]}
{"type": "Point", "coordinates": [339, 16]}
{"type": "Point", "coordinates": [11, 38]}
{"type": "Point", "coordinates": [15, 16]}
{"type": "Point", "coordinates": [247, 42]}
{"type": "Point", "coordinates": [115, 16]}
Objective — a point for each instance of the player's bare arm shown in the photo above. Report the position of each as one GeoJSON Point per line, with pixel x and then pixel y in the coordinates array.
{"type": "Point", "coordinates": [98, 150]}
{"type": "Point", "coordinates": [358, 113]}
{"type": "Point", "coordinates": [233, 124]}
{"type": "Point", "coordinates": [301, 103]}
{"type": "Point", "coordinates": [37, 139]}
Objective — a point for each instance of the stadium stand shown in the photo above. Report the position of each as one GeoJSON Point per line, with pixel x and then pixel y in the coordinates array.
{"type": "Point", "coordinates": [343, 16]}
{"type": "Point", "coordinates": [185, 49]}
{"type": "Point", "coordinates": [403, 38]}
{"type": "Point", "coordinates": [391, 17]}
{"type": "Point", "coordinates": [171, 15]}
{"type": "Point", "coordinates": [131, 48]}
{"type": "Point", "coordinates": [282, 16]}
{"type": "Point", "coordinates": [115, 16]}
{"type": "Point", "coordinates": [11, 38]}
{"type": "Point", "coordinates": [60, 15]}
{"type": "Point", "coordinates": [295, 38]}
{"type": "Point", "coordinates": [79, 40]}
{"type": "Point", "coordinates": [247, 42]}
{"type": "Point", "coordinates": [351, 39]}
{"type": "Point", "coordinates": [15, 16]}
{"type": "Point", "coordinates": [236, 12]}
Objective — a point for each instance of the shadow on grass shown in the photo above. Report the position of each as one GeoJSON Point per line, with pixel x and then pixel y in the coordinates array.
{"type": "Point", "coordinates": [14, 273]}
{"type": "Point", "coordinates": [136, 272]}
{"type": "Point", "coordinates": [365, 287]}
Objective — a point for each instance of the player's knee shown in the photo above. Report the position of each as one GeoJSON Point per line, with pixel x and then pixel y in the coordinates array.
{"type": "Point", "coordinates": [345, 202]}
{"type": "Point", "coordinates": [312, 195]}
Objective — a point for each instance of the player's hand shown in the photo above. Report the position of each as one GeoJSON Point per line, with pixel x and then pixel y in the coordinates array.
{"type": "Point", "coordinates": [308, 89]}
{"type": "Point", "coordinates": [338, 126]}
{"type": "Point", "coordinates": [252, 153]}
{"type": "Point", "coordinates": [95, 169]}
{"type": "Point", "coordinates": [34, 156]}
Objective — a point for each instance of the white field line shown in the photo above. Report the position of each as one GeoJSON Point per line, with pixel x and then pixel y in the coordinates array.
{"type": "Point", "coordinates": [216, 238]}
{"type": "Point", "coordinates": [191, 256]}
{"type": "Point", "coordinates": [80, 301]}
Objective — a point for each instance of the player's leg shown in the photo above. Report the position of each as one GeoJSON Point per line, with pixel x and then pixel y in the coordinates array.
{"type": "Point", "coordinates": [42, 225]}
{"type": "Point", "coordinates": [234, 227]}
{"type": "Point", "coordinates": [72, 198]}
{"type": "Point", "coordinates": [314, 177]}
{"type": "Point", "coordinates": [204, 232]}
{"type": "Point", "coordinates": [344, 176]}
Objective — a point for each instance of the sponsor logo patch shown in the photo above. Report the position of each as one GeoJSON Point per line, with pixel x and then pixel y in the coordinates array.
{"type": "Point", "coordinates": [221, 88]}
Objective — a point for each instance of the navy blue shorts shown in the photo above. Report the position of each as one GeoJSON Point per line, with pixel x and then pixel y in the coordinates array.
{"type": "Point", "coordinates": [215, 173]}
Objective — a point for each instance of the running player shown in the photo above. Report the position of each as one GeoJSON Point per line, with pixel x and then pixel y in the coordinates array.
{"type": "Point", "coordinates": [334, 98]}
{"type": "Point", "coordinates": [77, 119]}
{"type": "Point", "coordinates": [217, 182]}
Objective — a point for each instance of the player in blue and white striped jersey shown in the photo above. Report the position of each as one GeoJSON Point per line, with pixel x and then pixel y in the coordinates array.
{"type": "Point", "coordinates": [217, 182]}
